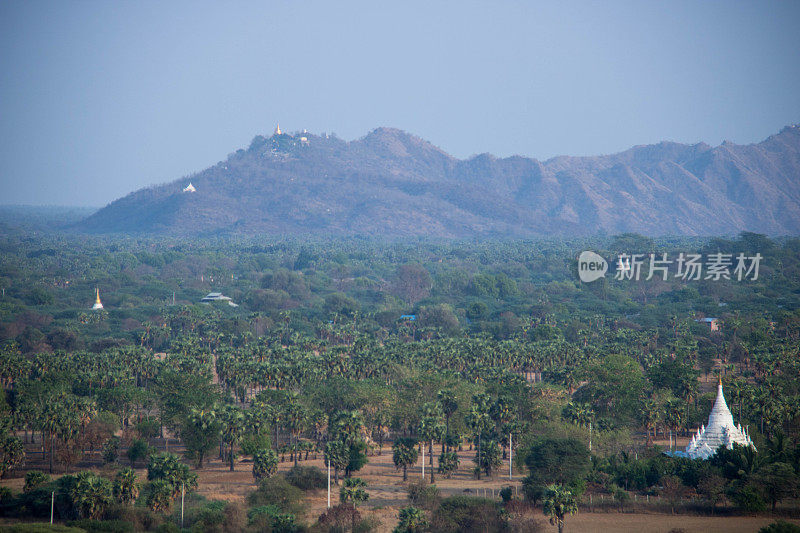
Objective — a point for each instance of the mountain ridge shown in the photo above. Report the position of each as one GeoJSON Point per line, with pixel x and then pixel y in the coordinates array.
{"type": "Point", "coordinates": [395, 184]}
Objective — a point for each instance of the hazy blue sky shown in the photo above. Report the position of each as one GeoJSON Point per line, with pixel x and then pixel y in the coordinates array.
{"type": "Point", "coordinates": [100, 98]}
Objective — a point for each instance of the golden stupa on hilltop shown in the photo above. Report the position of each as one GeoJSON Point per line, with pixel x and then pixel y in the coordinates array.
{"type": "Point", "coordinates": [278, 129]}
{"type": "Point", "coordinates": [97, 303]}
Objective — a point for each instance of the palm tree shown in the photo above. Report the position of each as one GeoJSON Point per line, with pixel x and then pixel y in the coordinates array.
{"type": "Point", "coordinates": [295, 417]}
{"type": "Point", "coordinates": [431, 428]}
{"type": "Point", "coordinates": [233, 426]}
{"type": "Point", "coordinates": [353, 492]}
{"type": "Point", "coordinates": [558, 503]}
{"type": "Point", "coordinates": [171, 470]}
{"type": "Point", "coordinates": [91, 494]}
{"type": "Point", "coordinates": [449, 405]}
{"type": "Point", "coordinates": [337, 454]}
{"type": "Point", "coordinates": [478, 420]}
{"type": "Point", "coordinates": [651, 415]}
{"type": "Point", "coordinates": [412, 520]}
{"type": "Point", "coordinates": [201, 432]}
{"type": "Point", "coordinates": [159, 498]}
{"type": "Point", "coordinates": [404, 454]}
{"type": "Point", "coordinates": [126, 490]}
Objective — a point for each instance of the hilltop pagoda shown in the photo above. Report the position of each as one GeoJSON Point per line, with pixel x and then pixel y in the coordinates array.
{"type": "Point", "coordinates": [720, 431]}
{"type": "Point", "coordinates": [97, 303]}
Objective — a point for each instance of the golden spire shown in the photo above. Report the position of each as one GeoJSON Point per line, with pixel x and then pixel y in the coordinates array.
{"type": "Point", "coordinates": [97, 303]}
{"type": "Point", "coordinates": [278, 129]}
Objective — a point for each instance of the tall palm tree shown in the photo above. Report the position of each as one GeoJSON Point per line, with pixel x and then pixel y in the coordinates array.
{"type": "Point", "coordinates": [295, 418]}
{"type": "Point", "coordinates": [404, 454]}
{"type": "Point", "coordinates": [431, 428]}
{"type": "Point", "coordinates": [478, 420]}
{"type": "Point", "coordinates": [449, 405]}
{"type": "Point", "coordinates": [233, 426]}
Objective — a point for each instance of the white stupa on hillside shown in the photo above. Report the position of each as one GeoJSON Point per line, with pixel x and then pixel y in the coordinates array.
{"type": "Point", "coordinates": [97, 303]}
{"type": "Point", "coordinates": [189, 188]}
{"type": "Point", "coordinates": [720, 431]}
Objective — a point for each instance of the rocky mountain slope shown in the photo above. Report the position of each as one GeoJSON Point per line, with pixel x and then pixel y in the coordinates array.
{"type": "Point", "coordinates": [391, 183]}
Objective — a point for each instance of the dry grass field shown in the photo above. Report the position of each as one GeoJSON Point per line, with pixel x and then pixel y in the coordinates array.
{"type": "Point", "coordinates": [388, 494]}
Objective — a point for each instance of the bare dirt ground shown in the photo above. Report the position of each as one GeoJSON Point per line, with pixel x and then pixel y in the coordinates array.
{"type": "Point", "coordinates": [388, 494]}
{"type": "Point", "coordinates": [658, 523]}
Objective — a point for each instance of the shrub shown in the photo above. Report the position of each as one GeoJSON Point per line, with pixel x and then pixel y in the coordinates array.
{"type": "Point", "coordinates": [278, 492]}
{"type": "Point", "coordinates": [307, 477]}
{"type": "Point", "coordinates": [338, 518]}
{"type": "Point", "coordinates": [780, 526]}
{"type": "Point", "coordinates": [423, 494]}
{"type": "Point", "coordinates": [139, 449]}
{"type": "Point", "coordinates": [91, 495]}
{"type": "Point", "coordinates": [254, 442]}
{"type": "Point", "coordinates": [147, 428]}
{"type": "Point", "coordinates": [111, 450]}
{"type": "Point", "coordinates": [41, 528]}
{"type": "Point", "coordinates": [622, 497]}
{"type": "Point", "coordinates": [285, 523]}
{"type": "Point", "coordinates": [35, 479]}
{"type": "Point", "coordinates": [749, 500]}
{"type": "Point", "coordinates": [463, 513]}
{"type": "Point", "coordinates": [168, 527]}
{"type": "Point", "coordinates": [159, 497]}
{"type": "Point", "coordinates": [265, 464]}
{"type": "Point", "coordinates": [142, 518]}
{"type": "Point", "coordinates": [126, 489]}
{"type": "Point", "coordinates": [219, 517]}
{"type": "Point", "coordinates": [210, 517]}
{"type": "Point", "coordinates": [448, 463]}
{"type": "Point", "coordinates": [412, 520]}
{"type": "Point", "coordinates": [262, 515]}
{"type": "Point", "coordinates": [36, 503]}
{"type": "Point", "coordinates": [103, 526]}
{"type": "Point", "coordinates": [12, 453]}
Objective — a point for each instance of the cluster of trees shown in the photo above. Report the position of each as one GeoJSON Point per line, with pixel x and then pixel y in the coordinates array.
{"type": "Point", "coordinates": [317, 361]}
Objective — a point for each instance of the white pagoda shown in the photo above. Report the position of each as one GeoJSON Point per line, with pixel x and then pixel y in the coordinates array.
{"type": "Point", "coordinates": [190, 188]}
{"type": "Point", "coordinates": [720, 431]}
{"type": "Point", "coordinates": [97, 303]}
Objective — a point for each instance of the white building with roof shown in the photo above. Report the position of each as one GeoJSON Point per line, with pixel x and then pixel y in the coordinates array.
{"type": "Point", "coordinates": [218, 297]}
{"type": "Point", "coordinates": [720, 431]}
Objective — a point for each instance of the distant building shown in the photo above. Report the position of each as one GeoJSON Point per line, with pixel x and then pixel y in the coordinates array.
{"type": "Point", "coordinates": [712, 323]}
{"type": "Point", "coordinates": [97, 303]}
{"type": "Point", "coordinates": [189, 188]}
{"type": "Point", "coordinates": [217, 297]}
{"type": "Point", "coordinates": [277, 129]}
{"type": "Point", "coordinates": [408, 317]}
{"type": "Point", "coordinates": [720, 431]}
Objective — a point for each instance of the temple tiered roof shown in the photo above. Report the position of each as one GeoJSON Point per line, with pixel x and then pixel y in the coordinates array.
{"type": "Point", "coordinates": [720, 431]}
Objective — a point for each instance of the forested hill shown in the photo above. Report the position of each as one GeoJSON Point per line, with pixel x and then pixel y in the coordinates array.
{"type": "Point", "coordinates": [394, 184]}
